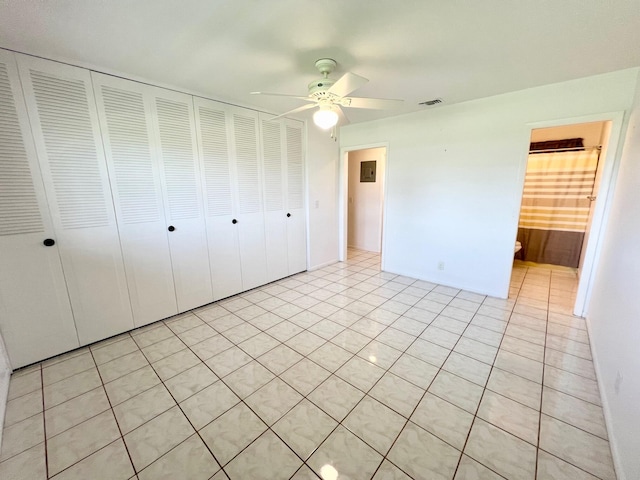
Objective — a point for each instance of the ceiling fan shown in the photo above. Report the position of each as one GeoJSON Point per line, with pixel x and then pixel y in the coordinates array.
{"type": "Point", "coordinates": [331, 96]}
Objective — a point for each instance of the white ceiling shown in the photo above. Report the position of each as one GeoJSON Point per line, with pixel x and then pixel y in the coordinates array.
{"type": "Point", "coordinates": [410, 49]}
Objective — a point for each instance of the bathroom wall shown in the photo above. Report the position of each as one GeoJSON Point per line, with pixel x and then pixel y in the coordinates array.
{"type": "Point", "coordinates": [5, 374]}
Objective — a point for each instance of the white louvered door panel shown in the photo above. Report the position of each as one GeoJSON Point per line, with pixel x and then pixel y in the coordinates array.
{"type": "Point", "coordinates": [35, 313]}
{"type": "Point", "coordinates": [178, 153]}
{"type": "Point", "coordinates": [274, 167]}
{"type": "Point", "coordinates": [212, 125]}
{"type": "Point", "coordinates": [125, 121]}
{"type": "Point", "coordinates": [64, 122]}
{"type": "Point", "coordinates": [250, 217]}
{"type": "Point", "coordinates": [296, 223]}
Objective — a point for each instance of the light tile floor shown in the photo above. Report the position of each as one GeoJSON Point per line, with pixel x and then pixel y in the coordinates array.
{"type": "Point", "coordinates": [343, 372]}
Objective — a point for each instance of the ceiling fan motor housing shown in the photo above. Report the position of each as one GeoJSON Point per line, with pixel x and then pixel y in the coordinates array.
{"type": "Point", "coordinates": [318, 88]}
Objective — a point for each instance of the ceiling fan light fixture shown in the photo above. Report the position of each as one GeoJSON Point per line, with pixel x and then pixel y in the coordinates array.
{"type": "Point", "coordinates": [325, 118]}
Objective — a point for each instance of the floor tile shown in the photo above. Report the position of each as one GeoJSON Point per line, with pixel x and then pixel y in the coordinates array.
{"type": "Point", "coordinates": [511, 416]}
{"type": "Point", "coordinates": [28, 465]}
{"type": "Point", "coordinates": [570, 363]}
{"type": "Point", "coordinates": [456, 390]}
{"type": "Point", "coordinates": [336, 397]}
{"type": "Point", "coordinates": [23, 407]}
{"type": "Point", "coordinates": [523, 348]}
{"type": "Point", "coordinates": [375, 423]}
{"type": "Point", "coordinates": [190, 381]}
{"type": "Point", "coordinates": [104, 354]}
{"type": "Point", "coordinates": [501, 452]}
{"type": "Point", "coordinates": [71, 387]}
{"type": "Point", "coordinates": [268, 458]}
{"type": "Point", "coordinates": [208, 404]}
{"type": "Point", "coordinates": [304, 428]}
{"type": "Point", "coordinates": [553, 468]}
{"type": "Point", "coordinates": [280, 359]}
{"type": "Point", "coordinates": [414, 370]}
{"type": "Point", "coordinates": [305, 342]}
{"type": "Point", "coordinates": [131, 385]}
{"type": "Point", "coordinates": [142, 408]}
{"type": "Point", "coordinates": [156, 437]}
{"type": "Point", "coordinates": [273, 400]}
{"type": "Point", "coordinates": [408, 453]}
{"type": "Point", "coordinates": [75, 411]}
{"type": "Point", "coordinates": [225, 439]}
{"type": "Point", "coordinates": [396, 393]}
{"type": "Point", "coordinates": [469, 469]}
{"type": "Point", "coordinates": [61, 370]}
{"type": "Point", "coordinates": [22, 436]}
{"type": "Point", "coordinates": [467, 368]}
{"type": "Point", "coordinates": [576, 412]}
{"type": "Point", "coordinates": [162, 349]}
{"type": "Point", "coordinates": [228, 361]}
{"type": "Point", "coordinates": [191, 459]}
{"type": "Point", "coordinates": [344, 455]}
{"type": "Point", "coordinates": [443, 419]}
{"type": "Point", "coordinates": [396, 338]}
{"type": "Point", "coordinates": [79, 442]}
{"type": "Point", "coordinates": [580, 448]}
{"type": "Point", "coordinates": [360, 373]}
{"type": "Point", "coordinates": [519, 365]}
{"type": "Point", "coordinates": [516, 388]}
{"type": "Point", "coordinates": [26, 383]}
{"type": "Point", "coordinates": [109, 463]}
{"type": "Point", "coordinates": [248, 379]}
{"type": "Point", "coordinates": [174, 364]}
{"type": "Point", "coordinates": [330, 356]}
{"type": "Point", "coordinates": [213, 345]}
{"type": "Point", "coordinates": [388, 471]}
{"type": "Point", "coordinates": [566, 382]}
{"type": "Point", "coordinates": [380, 354]}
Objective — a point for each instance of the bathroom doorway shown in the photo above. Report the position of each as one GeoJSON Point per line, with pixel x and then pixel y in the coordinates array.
{"type": "Point", "coordinates": [564, 170]}
{"type": "Point", "coordinates": [362, 198]}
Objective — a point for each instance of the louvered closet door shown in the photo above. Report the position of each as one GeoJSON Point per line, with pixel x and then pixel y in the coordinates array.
{"type": "Point", "coordinates": [296, 223]}
{"type": "Point", "coordinates": [65, 126]}
{"type": "Point", "coordinates": [249, 198]}
{"type": "Point", "coordinates": [178, 153]}
{"type": "Point", "coordinates": [35, 313]}
{"type": "Point", "coordinates": [212, 124]}
{"type": "Point", "coordinates": [275, 216]}
{"type": "Point", "coordinates": [125, 121]}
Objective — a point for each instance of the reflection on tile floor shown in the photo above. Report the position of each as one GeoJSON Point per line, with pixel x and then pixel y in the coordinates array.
{"type": "Point", "coordinates": [342, 372]}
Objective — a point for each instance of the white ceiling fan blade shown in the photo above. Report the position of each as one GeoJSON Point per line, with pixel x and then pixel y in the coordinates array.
{"type": "Point", "coordinates": [295, 110]}
{"type": "Point", "coordinates": [376, 103]}
{"type": "Point", "coordinates": [347, 84]}
{"type": "Point", "coordinates": [307, 99]}
{"type": "Point", "coordinates": [342, 117]}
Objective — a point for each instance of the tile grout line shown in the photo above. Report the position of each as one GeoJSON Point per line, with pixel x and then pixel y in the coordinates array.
{"type": "Point", "coordinates": [542, 388]}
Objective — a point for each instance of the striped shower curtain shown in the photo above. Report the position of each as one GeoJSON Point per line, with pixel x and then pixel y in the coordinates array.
{"type": "Point", "coordinates": [555, 206]}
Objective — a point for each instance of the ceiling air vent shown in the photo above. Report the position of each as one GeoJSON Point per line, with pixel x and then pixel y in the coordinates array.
{"type": "Point", "coordinates": [429, 103]}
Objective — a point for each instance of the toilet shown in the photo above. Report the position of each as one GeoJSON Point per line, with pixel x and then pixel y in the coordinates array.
{"type": "Point", "coordinates": [517, 247]}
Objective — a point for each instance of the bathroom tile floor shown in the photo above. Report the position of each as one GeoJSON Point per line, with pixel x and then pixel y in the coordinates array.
{"type": "Point", "coordinates": [343, 372]}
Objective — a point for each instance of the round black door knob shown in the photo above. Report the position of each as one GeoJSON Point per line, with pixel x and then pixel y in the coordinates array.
{"type": "Point", "coordinates": [234, 221]}
{"type": "Point", "coordinates": [288, 214]}
{"type": "Point", "coordinates": [171, 228]}
{"type": "Point", "coordinates": [49, 242]}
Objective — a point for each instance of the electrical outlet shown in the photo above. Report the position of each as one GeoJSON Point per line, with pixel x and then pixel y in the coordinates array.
{"type": "Point", "coordinates": [441, 265]}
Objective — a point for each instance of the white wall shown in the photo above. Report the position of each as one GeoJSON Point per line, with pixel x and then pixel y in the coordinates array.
{"type": "Point", "coordinates": [614, 311]}
{"type": "Point", "coordinates": [322, 176]}
{"type": "Point", "coordinates": [455, 175]}
{"type": "Point", "coordinates": [365, 201]}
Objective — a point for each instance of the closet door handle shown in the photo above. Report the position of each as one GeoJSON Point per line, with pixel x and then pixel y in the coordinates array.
{"type": "Point", "coordinates": [49, 242]}
{"type": "Point", "coordinates": [234, 221]}
{"type": "Point", "coordinates": [171, 228]}
{"type": "Point", "coordinates": [288, 215]}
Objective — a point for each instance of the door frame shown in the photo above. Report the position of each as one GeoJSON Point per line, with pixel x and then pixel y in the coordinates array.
{"type": "Point", "coordinates": [343, 201]}
{"type": "Point", "coordinates": [602, 207]}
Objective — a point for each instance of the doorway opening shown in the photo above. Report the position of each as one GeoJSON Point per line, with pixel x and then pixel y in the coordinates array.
{"type": "Point", "coordinates": [562, 182]}
{"type": "Point", "coordinates": [363, 185]}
